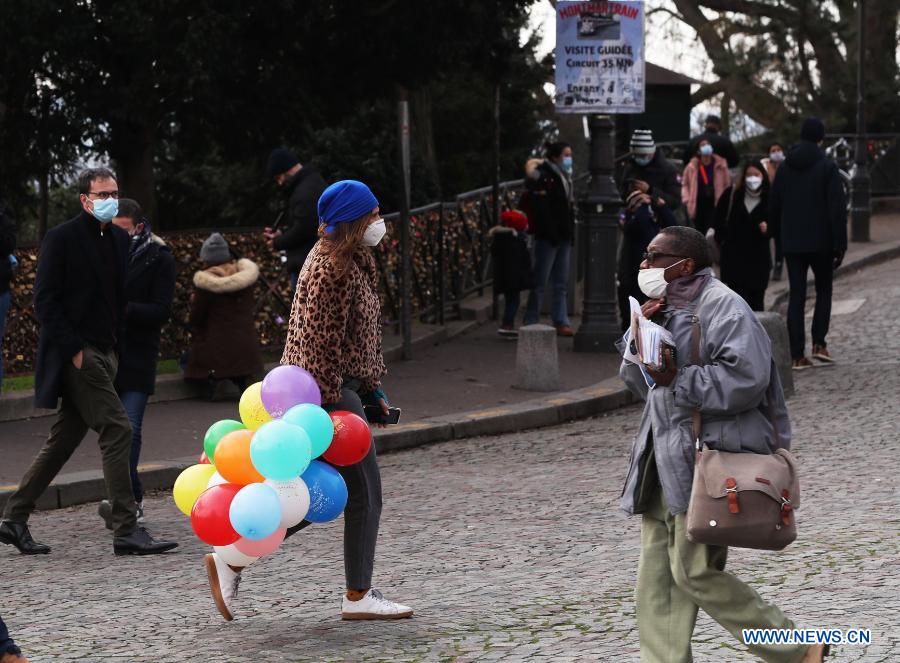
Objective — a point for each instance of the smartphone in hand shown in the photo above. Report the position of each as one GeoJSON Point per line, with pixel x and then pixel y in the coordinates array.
{"type": "Point", "coordinates": [375, 415]}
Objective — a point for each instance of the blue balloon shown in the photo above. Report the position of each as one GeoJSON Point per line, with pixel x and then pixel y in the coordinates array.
{"type": "Point", "coordinates": [327, 492]}
{"type": "Point", "coordinates": [255, 511]}
{"type": "Point", "coordinates": [280, 451]}
{"type": "Point", "coordinates": [317, 424]}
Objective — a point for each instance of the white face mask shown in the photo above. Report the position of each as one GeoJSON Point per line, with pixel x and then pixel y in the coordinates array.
{"type": "Point", "coordinates": [374, 233]}
{"type": "Point", "coordinates": [777, 156]}
{"type": "Point", "coordinates": [652, 281]}
{"type": "Point", "coordinates": [753, 182]}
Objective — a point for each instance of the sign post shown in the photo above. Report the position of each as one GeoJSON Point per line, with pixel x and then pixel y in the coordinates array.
{"type": "Point", "coordinates": [599, 72]}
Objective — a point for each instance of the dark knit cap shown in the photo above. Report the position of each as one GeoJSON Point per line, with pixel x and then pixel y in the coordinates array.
{"type": "Point", "coordinates": [280, 161]}
{"type": "Point", "coordinates": [813, 129]}
{"type": "Point", "coordinates": [215, 250]}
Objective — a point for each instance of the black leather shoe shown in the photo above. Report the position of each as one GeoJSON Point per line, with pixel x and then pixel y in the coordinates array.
{"type": "Point", "coordinates": [17, 534]}
{"type": "Point", "coordinates": [139, 542]}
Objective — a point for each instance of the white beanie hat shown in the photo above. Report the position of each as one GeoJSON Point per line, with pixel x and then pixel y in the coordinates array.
{"type": "Point", "coordinates": [642, 142]}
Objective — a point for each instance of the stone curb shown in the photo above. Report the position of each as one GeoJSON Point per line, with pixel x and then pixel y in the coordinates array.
{"type": "Point", "coordinates": [549, 410]}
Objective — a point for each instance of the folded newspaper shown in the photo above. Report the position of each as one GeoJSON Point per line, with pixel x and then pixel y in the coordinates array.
{"type": "Point", "coordinates": [644, 339]}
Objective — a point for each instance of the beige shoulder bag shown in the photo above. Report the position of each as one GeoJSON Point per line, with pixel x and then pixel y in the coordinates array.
{"type": "Point", "coordinates": [743, 500]}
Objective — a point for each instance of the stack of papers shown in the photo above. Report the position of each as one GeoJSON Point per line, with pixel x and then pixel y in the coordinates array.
{"type": "Point", "coordinates": [645, 339]}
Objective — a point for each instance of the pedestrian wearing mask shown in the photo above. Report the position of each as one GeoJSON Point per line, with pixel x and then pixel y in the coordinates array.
{"type": "Point", "coordinates": [742, 232]}
{"type": "Point", "coordinates": [149, 289]}
{"type": "Point", "coordinates": [79, 299]}
{"type": "Point", "coordinates": [729, 386]}
{"type": "Point", "coordinates": [704, 180]}
{"type": "Point", "coordinates": [335, 334]}
{"type": "Point", "coordinates": [553, 208]}
{"type": "Point", "coordinates": [771, 164]}
{"type": "Point", "coordinates": [652, 173]}
{"type": "Point", "coordinates": [642, 220]}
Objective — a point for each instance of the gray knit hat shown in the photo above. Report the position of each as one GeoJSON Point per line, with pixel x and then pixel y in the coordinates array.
{"type": "Point", "coordinates": [642, 142]}
{"type": "Point", "coordinates": [215, 250]}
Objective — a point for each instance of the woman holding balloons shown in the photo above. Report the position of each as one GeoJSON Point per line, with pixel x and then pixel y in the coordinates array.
{"type": "Point", "coordinates": [335, 336]}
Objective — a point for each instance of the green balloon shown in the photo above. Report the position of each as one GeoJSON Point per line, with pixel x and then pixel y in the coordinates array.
{"type": "Point", "coordinates": [216, 432]}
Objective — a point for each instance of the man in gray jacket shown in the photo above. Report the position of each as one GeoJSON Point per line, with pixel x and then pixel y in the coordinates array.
{"type": "Point", "coordinates": [676, 576]}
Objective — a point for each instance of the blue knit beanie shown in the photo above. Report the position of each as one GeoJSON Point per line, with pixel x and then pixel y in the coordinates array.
{"type": "Point", "coordinates": [345, 201]}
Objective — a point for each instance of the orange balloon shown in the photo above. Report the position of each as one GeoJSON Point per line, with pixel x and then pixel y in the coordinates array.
{"type": "Point", "coordinates": [232, 458]}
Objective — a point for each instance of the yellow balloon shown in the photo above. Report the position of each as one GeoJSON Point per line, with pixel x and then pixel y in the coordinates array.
{"type": "Point", "coordinates": [189, 485]}
{"type": "Point", "coordinates": [253, 413]}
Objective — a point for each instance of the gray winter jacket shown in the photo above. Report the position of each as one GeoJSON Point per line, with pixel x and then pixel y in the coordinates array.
{"type": "Point", "coordinates": [729, 388]}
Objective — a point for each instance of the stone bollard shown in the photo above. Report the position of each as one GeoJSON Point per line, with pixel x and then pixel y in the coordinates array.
{"type": "Point", "coordinates": [776, 328]}
{"type": "Point", "coordinates": [537, 363]}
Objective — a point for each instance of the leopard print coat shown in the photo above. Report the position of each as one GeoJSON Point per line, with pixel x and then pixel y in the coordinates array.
{"type": "Point", "coordinates": [335, 327]}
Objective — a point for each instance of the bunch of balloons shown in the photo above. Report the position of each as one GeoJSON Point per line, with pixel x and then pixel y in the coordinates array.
{"type": "Point", "coordinates": [258, 476]}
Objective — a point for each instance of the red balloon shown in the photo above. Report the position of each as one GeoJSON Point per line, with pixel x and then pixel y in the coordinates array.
{"type": "Point", "coordinates": [352, 439]}
{"type": "Point", "coordinates": [204, 459]}
{"type": "Point", "coordinates": [209, 517]}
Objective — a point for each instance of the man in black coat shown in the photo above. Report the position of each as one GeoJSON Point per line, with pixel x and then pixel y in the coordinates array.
{"type": "Point", "coordinates": [302, 185]}
{"type": "Point", "coordinates": [808, 208]}
{"type": "Point", "coordinates": [149, 289]}
{"type": "Point", "coordinates": [79, 301]}
{"type": "Point", "coordinates": [721, 145]}
{"type": "Point", "coordinates": [651, 171]}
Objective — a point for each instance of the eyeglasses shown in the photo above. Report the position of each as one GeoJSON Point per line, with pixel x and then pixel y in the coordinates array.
{"type": "Point", "coordinates": [104, 195]}
{"type": "Point", "coordinates": [651, 256]}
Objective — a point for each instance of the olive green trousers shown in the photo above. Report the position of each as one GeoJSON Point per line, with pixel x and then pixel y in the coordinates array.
{"type": "Point", "coordinates": [676, 577]}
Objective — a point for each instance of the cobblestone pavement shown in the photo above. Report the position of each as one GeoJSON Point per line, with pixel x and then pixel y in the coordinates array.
{"type": "Point", "coordinates": [509, 548]}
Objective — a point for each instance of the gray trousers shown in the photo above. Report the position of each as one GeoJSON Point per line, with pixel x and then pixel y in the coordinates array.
{"type": "Point", "coordinates": [363, 512]}
{"type": "Point", "coordinates": [89, 400]}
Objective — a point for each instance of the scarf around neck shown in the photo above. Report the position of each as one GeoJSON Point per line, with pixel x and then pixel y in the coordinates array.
{"type": "Point", "coordinates": [682, 291]}
{"type": "Point", "coordinates": [140, 242]}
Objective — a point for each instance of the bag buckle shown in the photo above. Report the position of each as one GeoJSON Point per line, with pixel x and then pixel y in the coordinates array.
{"type": "Point", "coordinates": [786, 507]}
{"type": "Point", "coordinates": [731, 494]}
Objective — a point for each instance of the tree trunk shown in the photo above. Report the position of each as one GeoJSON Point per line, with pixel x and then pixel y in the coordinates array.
{"type": "Point", "coordinates": [424, 134]}
{"type": "Point", "coordinates": [132, 151]}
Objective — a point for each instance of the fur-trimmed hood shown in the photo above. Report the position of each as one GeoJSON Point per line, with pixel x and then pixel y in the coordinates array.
{"type": "Point", "coordinates": [229, 277]}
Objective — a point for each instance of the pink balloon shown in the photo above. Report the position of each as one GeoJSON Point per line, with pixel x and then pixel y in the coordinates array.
{"type": "Point", "coordinates": [262, 547]}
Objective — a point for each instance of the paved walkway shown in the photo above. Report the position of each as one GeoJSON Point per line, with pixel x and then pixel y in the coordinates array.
{"type": "Point", "coordinates": [471, 372]}
{"type": "Point", "coordinates": [509, 548]}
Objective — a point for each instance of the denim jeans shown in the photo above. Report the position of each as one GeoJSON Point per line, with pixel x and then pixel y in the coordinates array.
{"type": "Point", "coordinates": [4, 309]}
{"type": "Point", "coordinates": [135, 402]}
{"type": "Point", "coordinates": [798, 265]}
{"type": "Point", "coordinates": [7, 646]}
{"type": "Point", "coordinates": [550, 262]}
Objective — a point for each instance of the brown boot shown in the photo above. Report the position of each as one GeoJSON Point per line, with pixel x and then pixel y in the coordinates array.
{"type": "Point", "coordinates": [13, 658]}
{"type": "Point", "coordinates": [564, 330]}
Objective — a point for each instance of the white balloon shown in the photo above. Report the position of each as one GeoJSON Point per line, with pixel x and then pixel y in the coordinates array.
{"type": "Point", "coordinates": [294, 498]}
{"type": "Point", "coordinates": [233, 556]}
{"type": "Point", "coordinates": [216, 480]}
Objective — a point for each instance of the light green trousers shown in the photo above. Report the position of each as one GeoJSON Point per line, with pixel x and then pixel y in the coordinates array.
{"type": "Point", "coordinates": [676, 577]}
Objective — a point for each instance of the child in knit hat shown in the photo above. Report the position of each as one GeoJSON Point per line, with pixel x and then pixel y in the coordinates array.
{"type": "Point", "coordinates": [512, 265]}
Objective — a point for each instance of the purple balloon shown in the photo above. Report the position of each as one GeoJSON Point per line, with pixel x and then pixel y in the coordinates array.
{"type": "Point", "coordinates": [287, 386]}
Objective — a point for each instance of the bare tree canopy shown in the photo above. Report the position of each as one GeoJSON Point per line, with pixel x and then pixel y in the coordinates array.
{"type": "Point", "coordinates": [782, 58]}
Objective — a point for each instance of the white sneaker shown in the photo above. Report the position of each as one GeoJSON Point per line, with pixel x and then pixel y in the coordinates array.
{"type": "Point", "coordinates": [373, 606]}
{"type": "Point", "coordinates": [223, 583]}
